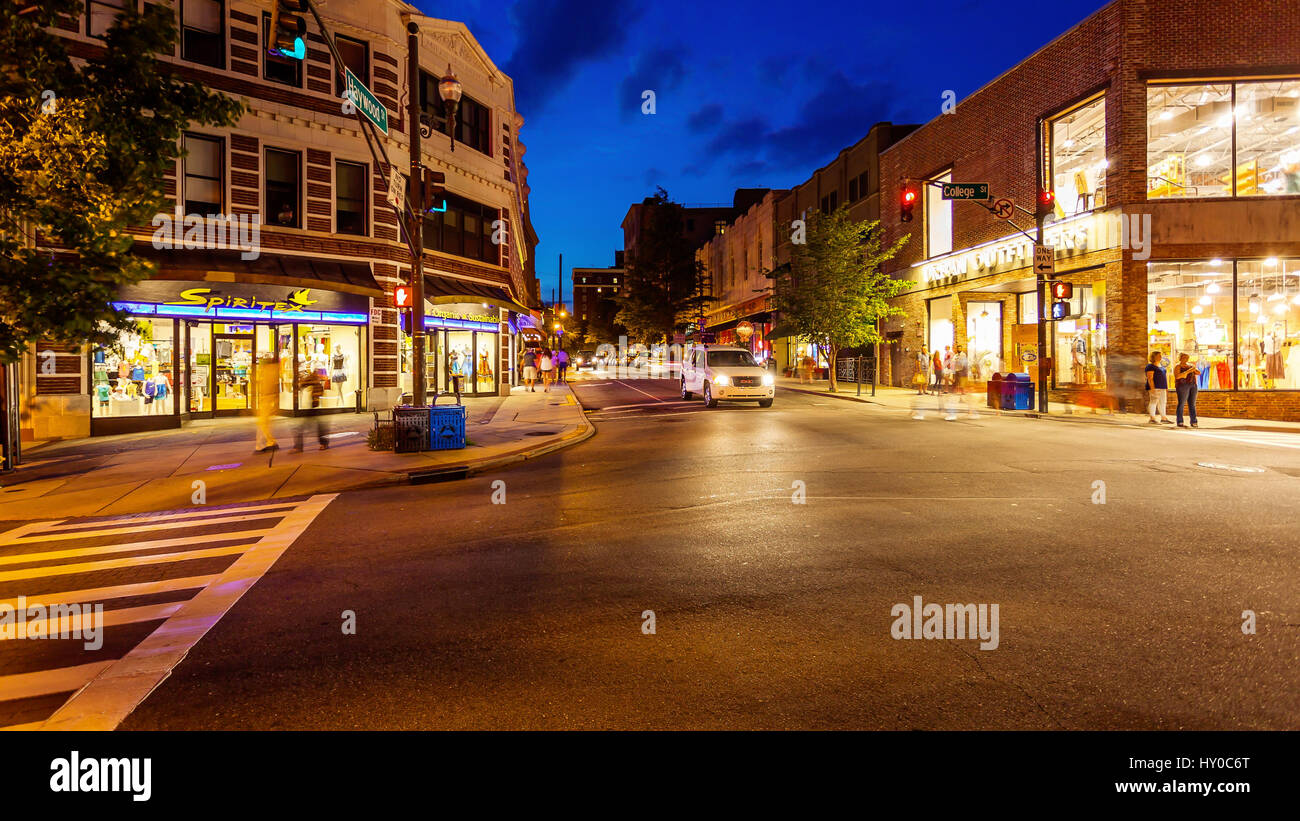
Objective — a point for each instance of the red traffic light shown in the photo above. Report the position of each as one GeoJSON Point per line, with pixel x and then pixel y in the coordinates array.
{"type": "Point", "coordinates": [1046, 202]}
{"type": "Point", "coordinates": [1062, 290]}
{"type": "Point", "coordinates": [906, 204]}
{"type": "Point", "coordinates": [402, 296]}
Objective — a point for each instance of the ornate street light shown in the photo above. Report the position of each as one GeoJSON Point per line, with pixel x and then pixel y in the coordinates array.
{"type": "Point", "coordinates": [449, 88]}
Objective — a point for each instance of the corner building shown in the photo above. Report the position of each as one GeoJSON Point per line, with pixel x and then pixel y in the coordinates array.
{"type": "Point", "coordinates": [318, 296]}
{"type": "Point", "coordinates": [1170, 134]}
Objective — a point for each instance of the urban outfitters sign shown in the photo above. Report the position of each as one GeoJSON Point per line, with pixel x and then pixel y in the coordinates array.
{"type": "Point", "coordinates": [1074, 236]}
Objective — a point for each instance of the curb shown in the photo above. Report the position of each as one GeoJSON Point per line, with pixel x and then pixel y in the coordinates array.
{"type": "Point", "coordinates": [454, 472]}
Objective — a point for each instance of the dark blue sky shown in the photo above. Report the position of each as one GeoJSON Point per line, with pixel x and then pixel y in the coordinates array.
{"type": "Point", "coordinates": [756, 94]}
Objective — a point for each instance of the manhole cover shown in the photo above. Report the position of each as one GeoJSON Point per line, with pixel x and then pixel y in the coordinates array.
{"type": "Point", "coordinates": [1233, 468]}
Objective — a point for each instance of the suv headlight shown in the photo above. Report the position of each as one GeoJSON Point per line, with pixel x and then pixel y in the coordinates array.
{"type": "Point", "coordinates": [768, 380]}
{"type": "Point", "coordinates": [721, 379]}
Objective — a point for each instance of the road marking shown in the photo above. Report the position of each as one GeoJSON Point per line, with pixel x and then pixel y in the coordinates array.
{"type": "Point", "coordinates": [48, 682]}
{"type": "Point", "coordinates": [68, 531]}
{"type": "Point", "coordinates": [115, 564]}
{"type": "Point", "coordinates": [118, 591]}
{"type": "Point", "coordinates": [1265, 443]}
{"type": "Point", "coordinates": [641, 405]}
{"type": "Point", "coordinates": [117, 690]}
{"type": "Point", "coordinates": [638, 390]}
{"type": "Point", "coordinates": [65, 624]}
{"type": "Point", "coordinates": [22, 558]}
{"type": "Point", "coordinates": [216, 514]}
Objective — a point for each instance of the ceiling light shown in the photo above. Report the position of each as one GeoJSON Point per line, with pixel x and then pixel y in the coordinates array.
{"type": "Point", "coordinates": [1197, 309]}
{"type": "Point", "coordinates": [1216, 261]}
{"type": "Point", "coordinates": [1166, 114]}
{"type": "Point", "coordinates": [1204, 161]}
{"type": "Point", "coordinates": [1280, 308]}
{"type": "Point", "coordinates": [1205, 300]}
{"type": "Point", "coordinates": [1212, 288]}
{"type": "Point", "coordinates": [1271, 261]}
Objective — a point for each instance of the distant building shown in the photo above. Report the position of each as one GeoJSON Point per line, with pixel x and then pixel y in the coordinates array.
{"type": "Point", "coordinates": [592, 291]}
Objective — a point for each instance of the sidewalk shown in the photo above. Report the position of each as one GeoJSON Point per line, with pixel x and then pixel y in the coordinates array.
{"type": "Point", "coordinates": [907, 399]}
{"type": "Point", "coordinates": [141, 472]}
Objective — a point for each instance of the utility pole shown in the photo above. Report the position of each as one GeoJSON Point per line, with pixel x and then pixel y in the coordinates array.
{"type": "Point", "coordinates": [416, 232]}
{"type": "Point", "coordinates": [1043, 311]}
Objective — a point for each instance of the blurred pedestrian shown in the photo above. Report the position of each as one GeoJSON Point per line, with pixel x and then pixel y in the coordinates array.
{"type": "Point", "coordinates": [936, 370]}
{"type": "Point", "coordinates": [313, 384]}
{"type": "Point", "coordinates": [921, 379]}
{"type": "Point", "coordinates": [1157, 390]}
{"type": "Point", "coordinates": [528, 362]}
{"type": "Point", "coordinates": [1186, 378]}
{"type": "Point", "coordinates": [268, 402]}
{"type": "Point", "coordinates": [562, 365]}
{"type": "Point", "coordinates": [547, 366]}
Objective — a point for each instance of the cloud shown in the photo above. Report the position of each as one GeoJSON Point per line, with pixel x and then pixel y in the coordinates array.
{"type": "Point", "coordinates": [556, 37]}
{"type": "Point", "coordinates": [705, 119]}
{"type": "Point", "coordinates": [660, 71]}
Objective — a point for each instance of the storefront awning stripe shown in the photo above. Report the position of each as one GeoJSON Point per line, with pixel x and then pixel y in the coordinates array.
{"type": "Point", "coordinates": [348, 276]}
{"type": "Point", "coordinates": [445, 290]}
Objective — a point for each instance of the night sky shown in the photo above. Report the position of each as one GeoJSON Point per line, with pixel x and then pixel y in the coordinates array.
{"type": "Point", "coordinates": [747, 94]}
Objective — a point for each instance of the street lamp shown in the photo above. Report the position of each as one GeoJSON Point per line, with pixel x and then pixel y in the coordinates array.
{"type": "Point", "coordinates": [450, 89]}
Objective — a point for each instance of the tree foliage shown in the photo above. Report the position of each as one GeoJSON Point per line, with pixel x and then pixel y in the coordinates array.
{"type": "Point", "coordinates": [661, 277]}
{"type": "Point", "coordinates": [834, 293]}
{"type": "Point", "coordinates": [83, 147]}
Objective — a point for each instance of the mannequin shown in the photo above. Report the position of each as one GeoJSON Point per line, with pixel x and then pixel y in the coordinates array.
{"type": "Point", "coordinates": [339, 370]}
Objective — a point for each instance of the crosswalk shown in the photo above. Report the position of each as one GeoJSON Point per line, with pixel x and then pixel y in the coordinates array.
{"type": "Point", "coordinates": [1267, 439]}
{"type": "Point", "coordinates": [95, 613]}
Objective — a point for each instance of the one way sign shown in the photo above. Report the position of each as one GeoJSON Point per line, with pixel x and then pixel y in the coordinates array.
{"type": "Point", "coordinates": [1044, 261]}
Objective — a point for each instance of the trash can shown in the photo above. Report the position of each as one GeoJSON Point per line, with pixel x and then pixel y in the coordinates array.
{"type": "Point", "coordinates": [446, 426]}
{"type": "Point", "coordinates": [1017, 392]}
{"type": "Point", "coordinates": [410, 429]}
{"type": "Point", "coordinates": [994, 397]}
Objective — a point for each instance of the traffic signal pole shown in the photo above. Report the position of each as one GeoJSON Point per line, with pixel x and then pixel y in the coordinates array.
{"type": "Point", "coordinates": [416, 232]}
{"type": "Point", "coordinates": [1043, 311]}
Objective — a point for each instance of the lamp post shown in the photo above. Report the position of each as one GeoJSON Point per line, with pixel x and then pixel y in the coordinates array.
{"type": "Point", "coordinates": [449, 88]}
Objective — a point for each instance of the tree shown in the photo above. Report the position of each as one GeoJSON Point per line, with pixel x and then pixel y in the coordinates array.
{"type": "Point", "coordinates": [661, 277]}
{"type": "Point", "coordinates": [834, 293]}
{"type": "Point", "coordinates": [82, 153]}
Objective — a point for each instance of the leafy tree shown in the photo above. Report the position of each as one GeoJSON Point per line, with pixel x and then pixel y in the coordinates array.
{"type": "Point", "coordinates": [661, 277]}
{"type": "Point", "coordinates": [834, 294]}
{"type": "Point", "coordinates": [83, 147]}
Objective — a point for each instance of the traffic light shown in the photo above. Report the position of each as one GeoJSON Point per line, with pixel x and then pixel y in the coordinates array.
{"type": "Point", "coordinates": [1062, 290]}
{"type": "Point", "coordinates": [402, 296]}
{"type": "Point", "coordinates": [1046, 202]}
{"type": "Point", "coordinates": [906, 203]}
{"type": "Point", "coordinates": [1060, 310]}
{"type": "Point", "coordinates": [435, 191]}
{"type": "Point", "coordinates": [288, 29]}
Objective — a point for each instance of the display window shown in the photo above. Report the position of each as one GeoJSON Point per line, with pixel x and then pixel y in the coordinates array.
{"type": "Point", "coordinates": [330, 354]}
{"type": "Point", "coordinates": [1268, 324]}
{"type": "Point", "coordinates": [941, 329]}
{"type": "Point", "coordinates": [137, 376]}
{"type": "Point", "coordinates": [485, 357]}
{"type": "Point", "coordinates": [984, 338]}
{"type": "Point", "coordinates": [1079, 164]}
{"type": "Point", "coordinates": [1080, 357]}
{"type": "Point", "coordinates": [938, 219]}
{"type": "Point", "coordinates": [1190, 309]}
{"type": "Point", "coordinates": [1223, 139]}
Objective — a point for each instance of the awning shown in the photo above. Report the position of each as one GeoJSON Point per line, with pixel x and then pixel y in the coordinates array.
{"type": "Point", "coordinates": [442, 290]}
{"type": "Point", "coordinates": [780, 330]}
{"type": "Point", "coordinates": [755, 319]}
{"type": "Point", "coordinates": [267, 269]}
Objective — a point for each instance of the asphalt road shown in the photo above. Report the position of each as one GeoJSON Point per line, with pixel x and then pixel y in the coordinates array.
{"type": "Point", "coordinates": [770, 613]}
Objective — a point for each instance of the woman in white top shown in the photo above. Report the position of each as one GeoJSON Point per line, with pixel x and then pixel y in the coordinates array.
{"type": "Point", "coordinates": [547, 367]}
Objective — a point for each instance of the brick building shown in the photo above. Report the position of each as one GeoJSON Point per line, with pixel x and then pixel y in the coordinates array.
{"type": "Point", "coordinates": [593, 307]}
{"type": "Point", "coordinates": [1179, 119]}
{"type": "Point", "coordinates": [737, 260]}
{"type": "Point", "coordinates": [318, 296]}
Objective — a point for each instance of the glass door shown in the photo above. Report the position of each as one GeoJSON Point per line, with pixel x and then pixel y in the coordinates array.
{"type": "Point", "coordinates": [232, 369]}
{"type": "Point", "coordinates": [198, 371]}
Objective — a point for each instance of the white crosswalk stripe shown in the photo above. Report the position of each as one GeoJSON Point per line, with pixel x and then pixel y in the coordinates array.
{"type": "Point", "coordinates": [1245, 437]}
{"type": "Point", "coordinates": [69, 683]}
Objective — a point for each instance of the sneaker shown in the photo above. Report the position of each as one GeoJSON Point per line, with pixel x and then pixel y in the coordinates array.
{"type": "Point", "coordinates": [1195, 425]}
{"type": "Point", "coordinates": [1181, 425]}
{"type": "Point", "coordinates": [918, 416]}
{"type": "Point", "coordinates": [1166, 421]}
{"type": "Point", "coordinates": [952, 417]}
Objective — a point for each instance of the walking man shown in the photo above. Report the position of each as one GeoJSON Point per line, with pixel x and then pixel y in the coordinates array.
{"type": "Point", "coordinates": [562, 364]}
{"type": "Point", "coordinates": [268, 401]}
{"type": "Point", "coordinates": [529, 363]}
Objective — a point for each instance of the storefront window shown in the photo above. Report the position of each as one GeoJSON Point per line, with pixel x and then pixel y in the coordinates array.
{"type": "Point", "coordinates": [1081, 339]}
{"type": "Point", "coordinates": [1268, 317]}
{"type": "Point", "coordinates": [941, 331]}
{"type": "Point", "coordinates": [1191, 131]}
{"type": "Point", "coordinates": [137, 377]}
{"type": "Point", "coordinates": [1189, 310]}
{"type": "Point", "coordinates": [485, 349]}
{"type": "Point", "coordinates": [460, 360]}
{"type": "Point", "coordinates": [329, 353]}
{"type": "Point", "coordinates": [1079, 158]}
{"type": "Point", "coordinates": [984, 338]}
{"type": "Point", "coordinates": [1268, 138]}
{"type": "Point", "coordinates": [938, 219]}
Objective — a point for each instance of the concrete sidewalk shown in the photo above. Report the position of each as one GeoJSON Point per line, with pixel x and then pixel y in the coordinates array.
{"type": "Point", "coordinates": [141, 472]}
{"type": "Point", "coordinates": [907, 399]}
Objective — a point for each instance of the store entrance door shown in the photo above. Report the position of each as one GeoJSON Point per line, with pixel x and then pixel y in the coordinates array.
{"type": "Point", "coordinates": [232, 373]}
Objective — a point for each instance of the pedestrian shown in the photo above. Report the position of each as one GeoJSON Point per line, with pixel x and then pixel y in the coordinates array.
{"type": "Point", "coordinates": [947, 366]}
{"type": "Point", "coordinates": [1157, 390]}
{"type": "Point", "coordinates": [1186, 378]}
{"type": "Point", "coordinates": [529, 363]}
{"type": "Point", "coordinates": [936, 371]}
{"type": "Point", "coordinates": [268, 401]}
{"type": "Point", "coordinates": [457, 373]}
{"type": "Point", "coordinates": [547, 365]}
{"type": "Point", "coordinates": [960, 370]}
{"type": "Point", "coordinates": [921, 379]}
{"type": "Point", "coordinates": [562, 364]}
{"type": "Point", "coordinates": [311, 382]}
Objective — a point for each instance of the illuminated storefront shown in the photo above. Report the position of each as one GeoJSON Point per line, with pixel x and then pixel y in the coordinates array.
{"type": "Point", "coordinates": [197, 348]}
{"type": "Point", "coordinates": [463, 347]}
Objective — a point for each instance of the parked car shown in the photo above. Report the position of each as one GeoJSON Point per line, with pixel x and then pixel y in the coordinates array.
{"type": "Point", "coordinates": [719, 373]}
